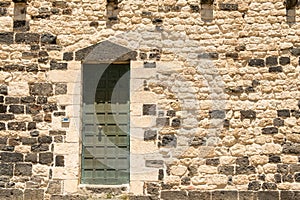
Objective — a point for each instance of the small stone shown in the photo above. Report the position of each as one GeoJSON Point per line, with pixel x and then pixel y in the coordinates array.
{"type": "Point", "coordinates": [270, 130]}
{"type": "Point", "coordinates": [275, 69]}
{"type": "Point", "coordinates": [176, 123]}
{"type": "Point", "coordinates": [217, 114]}
{"type": "Point", "coordinates": [3, 108]}
{"type": "Point", "coordinates": [12, 100]}
{"type": "Point", "coordinates": [6, 38]}
{"type": "Point", "coordinates": [283, 113]}
{"type": "Point", "coordinates": [278, 122]}
{"type": "Point", "coordinates": [282, 168]}
{"type": "Point", "coordinates": [169, 141]}
{"type": "Point", "coordinates": [254, 185]}
{"type": "Point", "coordinates": [150, 135]}
{"type": "Point", "coordinates": [39, 147]}
{"type": "Point", "coordinates": [272, 60]}
{"type": "Point", "coordinates": [48, 38]}
{"type": "Point", "coordinates": [68, 56]}
{"type": "Point", "coordinates": [287, 178]}
{"type": "Point", "coordinates": [162, 121]}
{"type": "Point", "coordinates": [34, 133]}
{"type": "Point", "coordinates": [33, 109]}
{"type": "Point", "coordinates": [227, 170]}
{"type": "Point", "coordinates": [256, 63]}
{"type": "Point", "coordinates": [284, 60]}
{"type": "Point", "coordinates": [297, 177]}
{"type": "Point", "coordinates": [248, 114]}
{"type": "Point", "coordinates": [274, 159]}
{"type": "Point", "coordinates": [6, 117]}
{"type": "Point", "coordinates": [41, 100]}
{"type": "Point", "coordinates": [59, 161]}
{"type": "Point", "coordinates": [228, 7]}
{"type": "Point", "coordinates": [213, 161]}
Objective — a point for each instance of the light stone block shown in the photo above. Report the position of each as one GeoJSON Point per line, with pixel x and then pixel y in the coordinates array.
{"type": "Point", "coordinates": [70, 186]}
{"type": "Point", "coordinates": [18, 89]}
{"type": "Point", "coordinates": [69, 76]}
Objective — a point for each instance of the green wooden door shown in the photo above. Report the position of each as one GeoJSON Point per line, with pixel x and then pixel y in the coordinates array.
{"type": "Point", "coordinates": [105, 153]}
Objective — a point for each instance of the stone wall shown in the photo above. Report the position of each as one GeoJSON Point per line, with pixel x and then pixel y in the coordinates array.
{"type": "Point", "coordinates": [215, 101]}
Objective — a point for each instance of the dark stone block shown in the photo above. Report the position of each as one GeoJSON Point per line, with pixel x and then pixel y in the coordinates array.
{"type": "Point", "coordinates": [245, 170]}
{"type": "Point", "coordinates": [149, 109]}
{"type": "Point", "coordinates": [3, 89]}
{"type": "Point", "coordinates": [2, 126]}
{"type": "Point", "coordinates": [228, 7]}
{"type": "Point", "coordinates": [33, 109]}
{"type": "Point", "coordinates": [21, 25]}
{"type": "Point", "coordinates": [195, 8]}
{"type": "Point", "coordinates": [28, 141]}
{"type": "Point", "coordinates": [287, 178]}
{"type": "Point", "coordinates": [150, 135]}
{"type": "Point", "coordinates": [268, 195]}
{"type": "Point", "coordinates": [262, 177]}
{"type": "Point", "coordinates": [3, 140]}
{"type": "Point", "coordinates": [59, 114]}
{"type": "Point", "coordinates": [283, 113]}
{"type": "Point", "coordinates": [295, 113]}
{"type": "Point", "coordinates": [43, 54]}
{"type": "Point", "coordinates": [169, 141]}
{"type": "Point", "coordinates": [48, 38]}
{"type": "Point", "coordinates": [11, 157]}
{"type": "Point", "coordinates": [81, 54]}
{"type": "Point", "coordinates": [289, 195]}
{"type": "Point", "coordinates": [294, 168]}
{"type": "Point", "coordinates": [244, 161]}
{"type": "Point", "coordinates": [248, 114]}
{"type": "Point", "coordinates": [46, 158]}
{"type": "Point", "coordinates": [162, 121]}
{"type": "Point", "coordinates": [232, 55]}
{"type": "Point", "coordinates": [39, 147]}
{"type": "Point", "coordinates": [291, 148]}
{"type": "Point", "coordinates": [272, 60]}
{"type": "Point", "coordinates": [57, 132]}
{"type": "Point", "coordinates": [224, 195]}
{"type": "Point", "coordinates": [6, 117]}
{"type": "Point", "coordinates": [3, 108]}
{"type": "Point", "coordinates": [7, 38]}
{"type": "Point", "coordinates": [59, 161]}
{"type": "Point", "coordinates": [270, 130]}
{"type": "Point", "coordinates": [274, 159]}
{"type": "Point", "coordinates": [31, 157]}
{"type": "Point", "coordinates": [8, 148]}
{"type": "Point", "coordinates": [41, 100]}
{"type": "Point", "coordinates": [171, 113]}
{"type": "Point", "coordinates": [176, 123]}
{"type": "Point", "coordinates": [6, 170]}
{"type": "Point", "coordinates": [157, 21]}
{"type": "Point", "coordinates": [199, 195]}
{"type": "Point", "coordinates": [269, 186]}
{"type": "Point", "coordinates": [240, 48]}
{"type": "Point", "coordinates": [283, 168]}
{"type": "Point", "coordinates": [28, 99]}
{"type": "Point", "coordinates": [68, 56]}
{"type": "Point", "coordinates": [227, 170]}
{"type": "Point", "coordinates": [50, 107]}
{"type": "Point", "coordinates": [35, 47]}
{"type": "Point", "coordinates": [31, 126]}
{"type": "Point", "coordinates": [254, 185]}
{"type": "Point", "coordinates": [185, 180]}
{"type": "Point", "coordinates": [149, 64]}
{"type": "Point", "coordinates": [295, 51]}
{"type": "Point", "coordinates": [153, 188]}
{"type": "Point", "coordinates": [256, 63]}
{"type": "Point", "coordinates": [16, 109]}
{"type": "Point", "coordinates": [58, 139]}
{"type": "Point", "coordinates": [32, 68]}
{"type": "Point", "coordinates": [4, 4]}
{"type": "Point", "coordinates": [172, 195]}
{"type": "Point", "coordinates": [54, 65]}
{"type": "Point", "coordinates": [297, 177]}
{"type": "Point", "coordinates": [27, 38]}
{"type": "Point", "coordinates": [14, 141]}
{"type": "Point", "coordinates": [284, 60]}
{"type": "Point", "coordinates": [16, 126]}
{"type": "Point", "coordinates": [277, 178]}
{"type": "Point", "coordinates": [45, 139]}
{"type": "Point", "coordinates": [154, 163]}
{"type": "Point", "coordinates": [247, 195]}
{"type": "Point", "coordinates": [11, 194]}
{"type": "Point", "coordinates": [12, 100]}
{"type": "Point", "coordinates": [217, 114]}
{"type": "Point", "coordinates": [34, 133]}
{"type": "Point", "coordinates": [249, 89]}
{"type": "Point", "coordinates": [34, 194]}
{"type": "Point", "coordinates": [9, 68]}
{"type": "Point", "coordinates": [22, 169]}
{"type": "Point", "coordinates": [208, 56]}
{"type": "Point", "coordinates": [238, 90]}
{"type": "Point", "coordinates": [42, 89]}
{"type": "Point", "coordinates": [94, 24]}
{"type": "Point", "coordinates": [48, 118]}
{"type": "Point", "coordinates": [278, 122]}
{"type": "Point", "coordinates": [160, 174]}
{"type": "Point", "coordinates": [67, 11]}
{"type": "Point", "coordinates": [1, 99]}
{"type": "Point", "coordinates": [213, 161]}
{"type": "Point", "coordinates": [276, 69]}
{"type": "Point", "coordinates": [29, 55]}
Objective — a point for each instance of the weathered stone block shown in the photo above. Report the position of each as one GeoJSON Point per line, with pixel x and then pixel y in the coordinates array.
{"type": "Point", "coordinates": [247, 195]}
{"type": "Point", "coordinates": [244, 161]}
{"type": "Point", "coordinates": [227, 170]}
{"type": "Point", "coordinates": [41, 100]}
{"type": "Point", "coordinates": [276, 69]}
{"type": "Point", "coordinates": [217, 114]}
{"type": "Point", "coordinates": [272, 60]}
{"type": "Point", "coordinates": [22, 169]}
{"type": "Point", "coordinates": [269, 186]}
{"type": "Point", "coordinates": [291, 148]}
{"type": "Point", "coordinates": [256, 63]}
{"type": "Point", "coordinates": [6, 117]}
{"type": "Point", "coordinates": [268, 195]}
{"type": "Point", "coordinates": [42, 89]}
{"type": "Point", "coordinates": [274, 159]}
{"type": "Point", "coordinates": [288, 178]}
{"type": "Point", "coordinates": [283, 113]}
{"type": "Point", "coordinates": [169, 141]}
{"type": "Point", "coordinates": [33, 194]}
{"type": "Point", "coordinates": [3, 89]}
{"type": "Point", "coordinates": [270, 130]}
{"type": "Point", "coordinates": [50, 107]}
{"type": "Point", "coordinates": [34, 133]}
{"type": "Point", "coordinates": [224, 195]}
{"type": "Point", "coordinates": [228, 7]}
{"type": "Point", "coordinates": [46, 158]}
{"type": "Point", "coordinates": [39, 147]}
{"type": "Point", "coordinates": [55, 187]}
{"type": "Point", "coordinates": [54, 65]}
{"type": "Point", "coordinates": [29, 99]}
{"type": "Point", "coordinates": [7, 38]}
{"type": "Point", "coordinates": [48, 38]}
{"type": "Point", "coordinates": [6, 170]}
{"type": "Point", "coordinates": [59, 161]}
{"type": "Point", "coordinates": [68, 56]}
{"type": "Point", "coordinates": [171, 195]}
{"type": "Point", "coordinates": [3, 108]}
{"type": "Point", "coordinates": [289, 195]}
{"type": "Point", "coordinates": [295, 51]}
{"type": "Point", "coordinates": [232, 55]}
{"type": "Point", "coordinates": [208, 56]}
{"type": "Point", "coordinates": [149, 109]}
{"type": "Point", "coordinates": [45, 139]}
{"type": "Point", "coordinates": [16, 126]}
{"type": "Point", "coordinates": [11, 157]}
{"type": "Point", "coordinates": [254, 185]}
{"type": "Point", "coordinates": [163, 121]}
{"type": "Point", "coordinates": [2, 126]}
{"type": "Point", "coordinates": [31, 157]}
{"type": "Point", "coordinates": [283, 168]}
{"type": "Point", "coordinates": [248, 114]}
{"type": "Point", "coordinates": [176, 123]}
{"type": "Point", "coordinates": [28, 141]}
{"type": "Point", "coordinates": [150, 135]}
{"type": "Point", "coordinates": [16, 109]}
{"type": "Point", "coordinates": [33, 109]}
{"type": "Point", "coordinates": [245, 170]}
{"type": "Point", "coordinates": [11, 194]}
{"type": "Point", "coordinates": [297, 177]}
{"type": "Point", "coordinates": [27, 38]}
{"type": "Point", "coordinates": [278, 122]}
{"type": "Point", "coordinates": [52, 132]}
{"type": "Point", "coordinates": [284, 60]}
{"type": "Point", "coordinates": [12, 100]}
{"type": "Point", "coordinates": [213, 161]}
{"type": "Point", "coordinates": [154, 163]}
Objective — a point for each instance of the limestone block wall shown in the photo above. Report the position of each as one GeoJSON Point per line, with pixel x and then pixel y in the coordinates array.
{"type": "Point", "coordinates": [215, 101]}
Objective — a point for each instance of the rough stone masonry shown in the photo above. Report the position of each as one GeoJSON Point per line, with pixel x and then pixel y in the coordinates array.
{"type": "Point", "coordinates": [215, 99]}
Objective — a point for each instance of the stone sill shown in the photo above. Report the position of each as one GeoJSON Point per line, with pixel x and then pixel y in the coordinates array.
{"type": "Point", "coordinates": [116, 189]}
